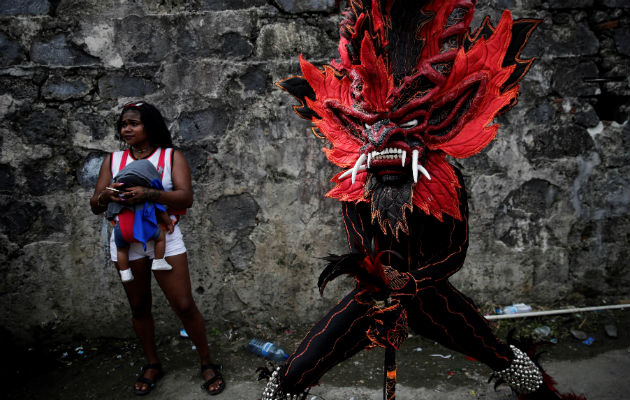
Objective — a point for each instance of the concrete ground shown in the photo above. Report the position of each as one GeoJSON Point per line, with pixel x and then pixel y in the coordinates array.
{"type": "Point", "coordinates": [106, 368]}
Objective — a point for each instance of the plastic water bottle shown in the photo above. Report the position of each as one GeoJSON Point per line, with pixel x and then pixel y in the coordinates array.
{"type": "Point", "coordinates": [517, 309]}
{"type": "Point", "coordinates": [267, 350]}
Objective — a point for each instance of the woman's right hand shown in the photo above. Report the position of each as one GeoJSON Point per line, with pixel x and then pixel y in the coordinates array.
{"type": "Point", "coordinates": [105, 196]}
{"type": "Point", "coordinates": [108, 196]}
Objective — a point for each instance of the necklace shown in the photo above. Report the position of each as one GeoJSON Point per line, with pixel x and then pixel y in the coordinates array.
{"type": "Point", "coordinates": [141, 151]}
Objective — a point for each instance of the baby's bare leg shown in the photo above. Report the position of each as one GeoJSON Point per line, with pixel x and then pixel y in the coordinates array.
{"type": "Point", "coordinates": [160, 245]}
{"type": "Point", "coordinates": [164, 219]}
{"type": "Point", "coordinates": [159, 263]}
{"type": "Point", "coordinates": [122, 264]}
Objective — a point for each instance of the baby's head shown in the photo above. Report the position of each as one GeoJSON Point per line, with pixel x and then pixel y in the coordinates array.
{"type": "Point", "coordinates": [137, 173]}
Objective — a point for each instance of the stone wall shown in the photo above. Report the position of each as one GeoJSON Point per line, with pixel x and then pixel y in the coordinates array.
{"type": "Point", "coordinates": [549, 198]}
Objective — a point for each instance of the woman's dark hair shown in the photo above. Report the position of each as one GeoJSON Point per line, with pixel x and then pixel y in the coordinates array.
{"type": "Point", "coordinates": [153, 122]}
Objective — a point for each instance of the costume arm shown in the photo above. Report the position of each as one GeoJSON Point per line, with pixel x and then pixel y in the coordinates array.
{"type": "Point", "coordinates": [357, 231]}
{"type": "Point", "coordinates": [443, 245]}
{"type": "Point", "coordinates": [434, 251]}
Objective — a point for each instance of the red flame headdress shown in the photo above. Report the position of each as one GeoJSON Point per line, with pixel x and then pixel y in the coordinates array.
{"type": "Point", "coordinates": [412, 85]}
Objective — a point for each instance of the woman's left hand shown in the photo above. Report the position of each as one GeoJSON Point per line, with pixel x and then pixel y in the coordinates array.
{"type": "Point", "coordinates": [139, 194]}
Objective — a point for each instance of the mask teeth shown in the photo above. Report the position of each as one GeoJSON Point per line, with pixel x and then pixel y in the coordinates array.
{"type": "Point", "coordinates": [364, 161]}
{"type": "Point", "coordinates": [390, 153]}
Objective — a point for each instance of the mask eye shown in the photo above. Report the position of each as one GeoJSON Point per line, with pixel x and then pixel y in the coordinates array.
{"type": "Point", "coordinates": [409, 124]}
{"type": "Point", "coordinates": [366, 126]}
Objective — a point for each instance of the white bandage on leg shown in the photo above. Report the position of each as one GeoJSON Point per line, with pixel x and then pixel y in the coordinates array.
{"type": "Point", "coordinates": [126, 275]}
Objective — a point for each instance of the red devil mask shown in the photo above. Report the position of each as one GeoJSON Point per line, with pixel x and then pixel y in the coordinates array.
{"type": "Point", "coordinates": [412, 85]}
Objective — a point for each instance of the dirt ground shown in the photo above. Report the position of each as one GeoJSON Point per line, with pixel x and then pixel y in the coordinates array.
{"type": "Point", "coordinates": [106, 368]}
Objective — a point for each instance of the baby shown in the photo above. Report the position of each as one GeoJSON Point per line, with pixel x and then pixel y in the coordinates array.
{"type": "Point", "coordinates": [139, 222]}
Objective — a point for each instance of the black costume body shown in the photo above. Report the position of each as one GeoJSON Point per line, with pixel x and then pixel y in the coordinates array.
{"type": "Point", "coordinates": [432, 252]}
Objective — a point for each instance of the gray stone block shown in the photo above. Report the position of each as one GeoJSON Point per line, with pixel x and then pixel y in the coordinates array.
{"type": "Point", "coordinates": [300, 6]}
{"type": "Point", "coordinates": [612, 144]}
{"type": "Point", "coordinates": [217, 5]}
{"type": "Point", "coordinates": [520, 221]}
{"type": "Point", "coordinates": [529, 5]}
{"type": "Point", "coordinates": [586, 116]}
{"type": "Point", "coordinates": [563, 4]}
{"type": "Point", "coordinates": [541, 114]}
{"type": "Point", "coordinates": [7, 179]}
{"type": "Point", "coordinates": [209, 124]}
{"type": "Point", "coordinates": [61, 88]}
{"type": "Point", "coordinates": [235, 45]}
{"type": "Point", "coordinates": [20, 88]}
{"type": "Point", "coordinates": [88, 174]}
{"type": "Point", "coordinates": [43, 126]}
{"type": "Point", "coordinates": [216, 35]}
{"type": "Point", "coordinates": [241, 254]}
{"type": "Point", "coordinates": [557, 143]}
{"type": "Point", "coordinates": [255, 79]}
{"type": "Point", "coordinates": [622, 39]}
{"type": "Point", "coordinates": [47, 176]}
{"type": "Point", "coordinates": [24, 7]}
{"type": "Point", "coordinates": [230, 214]}
{"type": "Point", "coordinates": [615, 3]}
{"type": "Point", "coordinates": [143, 40]}
{"type": "Point", "coordinates": [116, 86]}
{"type": "Point", "coordinates": [198, 157]}
{"type": "Point", "coordinates": [199, 79]}
{"type": "Point", "coordinates": [568, 78]}
{"type": "Point", "coordinates": [596, 265]}
{"type": "Point", "coordinates": [10, 51]}
{"type": "Point", "coordinates": [567, 39]}
{"type": "Point", "coordinates": [481, 165]}
{"type": "Point", "coordinates": [287, 40]}
{"type": "Point", "coordinates": [19, 216]}
{"type": "Point", "coordinates": [29, 221]}
{"type": "Point", "coordinates": [505, 4]}
{"type": "Point", "coordinates": [98, 126]}
{"type": "Point", "coordinates": [58, 51]}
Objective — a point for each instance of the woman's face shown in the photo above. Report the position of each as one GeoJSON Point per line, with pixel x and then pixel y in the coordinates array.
{"type": "Point", "coordinates": [132, 129]}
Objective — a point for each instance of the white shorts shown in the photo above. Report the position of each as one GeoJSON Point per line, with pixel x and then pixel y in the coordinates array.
{"type": "Point", "coordinates": [174, 246]}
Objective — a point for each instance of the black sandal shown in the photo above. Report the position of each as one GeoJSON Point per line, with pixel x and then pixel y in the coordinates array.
{"type": "Point", "coordinates": [216, 368]}
{"type": "Point", "coordinates": [150, 383]}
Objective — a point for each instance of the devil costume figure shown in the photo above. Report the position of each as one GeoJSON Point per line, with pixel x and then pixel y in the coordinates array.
{"type": "Point", "coordinates": [412, 86]}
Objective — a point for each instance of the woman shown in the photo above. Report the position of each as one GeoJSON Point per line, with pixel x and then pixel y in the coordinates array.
{"type": "Point", "coordinates": [141, 126]}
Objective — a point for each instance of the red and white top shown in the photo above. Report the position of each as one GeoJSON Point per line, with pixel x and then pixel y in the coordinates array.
{"type": "Point", "coordinates": [162, 160]}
